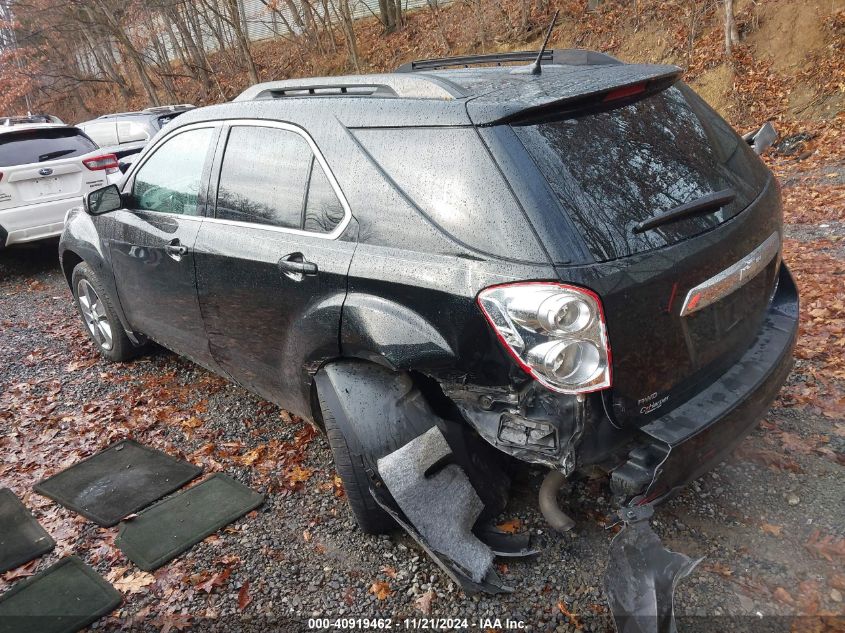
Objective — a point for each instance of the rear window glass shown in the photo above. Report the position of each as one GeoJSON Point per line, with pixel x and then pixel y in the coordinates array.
{"type": "Point", "coordinates": [39, 146]}
{"type": "Point", "coordinates": [452, 180]}
{"type": "Point", "coordinates": [612, 170]}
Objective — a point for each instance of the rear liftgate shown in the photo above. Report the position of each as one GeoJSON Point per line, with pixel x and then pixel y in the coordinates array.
{"type": "Point", "coordinates": [443, 486]}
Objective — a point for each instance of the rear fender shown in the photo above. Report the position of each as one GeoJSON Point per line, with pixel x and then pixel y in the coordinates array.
{"type": "Point", "coordinates": [390, 334]}
{"type": "Point", "coordinates": [380, 410]}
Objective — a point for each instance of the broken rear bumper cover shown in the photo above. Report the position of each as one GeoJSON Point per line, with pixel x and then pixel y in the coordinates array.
{"type": "Point", "coordinates": [668, 452]}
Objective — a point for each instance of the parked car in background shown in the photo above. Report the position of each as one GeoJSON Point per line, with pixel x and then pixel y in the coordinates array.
{"type": "Point", "coordinates": [125, 134]}
{"type": "Point", "coordinates": [461, 249]}
{"type": "Point", "coordinates": [29, 118]}
{"type": "Point", "coordinates": [45, 170]}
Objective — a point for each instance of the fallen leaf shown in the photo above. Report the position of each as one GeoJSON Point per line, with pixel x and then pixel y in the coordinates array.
{"type": "Point", "coordinates": [423, 603]}
{"type": "Point", "coordinates": [774, 530]}
{"type": "Point", "coordinates": [134, 583]}
{"type": "Point", "coordinates": [389, 571]}
{"type": "Point", "coordinates": [828, 547]}
{"type": "Point", "coordinates": [243, 596]}
{"type": "Point", "coordinates": [217, 580]}
{"type": "Point", "coordinates": [782, 595]}
{"type": "Point", "coordinates": [572, 617]}
{"type": "Point", "coordinates": [381, 590]}
{"type": "Point", "coordinates": [510, 527]}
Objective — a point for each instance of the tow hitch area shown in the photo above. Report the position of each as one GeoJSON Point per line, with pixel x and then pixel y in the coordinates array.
{"type": "Point", "coordinates": [439, 508]}
{"type": "Point", "coordinates": [642, 575]}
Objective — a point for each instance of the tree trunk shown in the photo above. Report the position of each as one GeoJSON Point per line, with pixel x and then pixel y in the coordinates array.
{"type": "Point", "coordinates": [347, 23]}
{"type": "Point", "coordinates": [731, 33]}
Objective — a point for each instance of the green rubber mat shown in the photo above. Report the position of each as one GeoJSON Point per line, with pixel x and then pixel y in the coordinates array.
{"type": "Point", "coordinates": [122, 479]}
{"type": "Point", "coordinates": [162, 532]}
{"type": "Point", "coordinates": [65, 598]}
{"type": "Point", "coordinates": [21, 537]}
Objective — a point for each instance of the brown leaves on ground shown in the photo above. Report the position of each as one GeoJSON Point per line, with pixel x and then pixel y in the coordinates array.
{"type": "Point", "coordinates": [207, 582]}
{"type": "Point", "coordinates": [134, 582]}
{"type": "Point", "coordinates": [423, 603]}
{"type": "Point", "coordinates": [831, 548]}
{"type": "Point", "coordinates": [774, 530]}
{"type": "Point", "coordinates": [243, 596]}
{"type": "Point", "coordinates": [381, 590]}
{"type": "Point", "coordinates": [572, 617]}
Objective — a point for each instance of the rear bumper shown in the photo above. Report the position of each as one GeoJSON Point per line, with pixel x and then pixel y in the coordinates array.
{"type": "Point", "coordinates": [688, 441]}
{"type": "Point", "coordinates": [36, 221]}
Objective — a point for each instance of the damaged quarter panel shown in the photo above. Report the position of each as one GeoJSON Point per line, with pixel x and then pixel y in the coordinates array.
{"type": "Point", "coordinates": [412, 305]}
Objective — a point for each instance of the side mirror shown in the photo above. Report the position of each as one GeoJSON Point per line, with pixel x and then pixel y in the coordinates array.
{"type": "Point", "coordinates": [762, 139]}
{"type": "Point", "coordinates": [103, 200]}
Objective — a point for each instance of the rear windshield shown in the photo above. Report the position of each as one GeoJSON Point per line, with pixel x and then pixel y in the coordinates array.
{"type": "Point", "coordinates": [612, 170]}
{"type": "Point", "coordinates": [39, 146]}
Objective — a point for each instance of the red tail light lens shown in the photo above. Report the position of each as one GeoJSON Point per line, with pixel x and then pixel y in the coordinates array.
{"type": "Point", "coordinates": [555, 332]}
{"type": "Point", "coordinates": [108, 162]}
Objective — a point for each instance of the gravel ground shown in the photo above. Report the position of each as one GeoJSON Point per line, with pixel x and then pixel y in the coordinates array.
{"type": "Point", "coordinates": [301, 556]}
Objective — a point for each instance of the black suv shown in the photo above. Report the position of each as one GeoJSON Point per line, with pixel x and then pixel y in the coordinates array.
{"type": "Point", "coordinates": [578, 267]}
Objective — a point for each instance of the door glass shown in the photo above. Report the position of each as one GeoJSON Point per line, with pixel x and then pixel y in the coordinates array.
{"type": "Point", "coordinates": [264, 176]}
{"type": "Point", "coordinates": [169, 182]}
{"type": "Point", "coordinates": [323, 211]}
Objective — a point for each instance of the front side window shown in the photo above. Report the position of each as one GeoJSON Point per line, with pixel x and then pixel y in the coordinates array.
{"type": "Point", "coordinates": [169, 182]}
{"type": "Point", "coordinates": [264, 177]}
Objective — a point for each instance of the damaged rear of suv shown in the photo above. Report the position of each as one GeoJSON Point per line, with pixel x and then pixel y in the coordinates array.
{"type": "Point", "coordinates": [612, 293]}
{"type": "Point", "coordinates": [575, 264]}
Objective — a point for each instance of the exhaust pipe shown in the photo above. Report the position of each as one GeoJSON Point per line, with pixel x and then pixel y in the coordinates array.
{"type": "Point", "coordinates": [555, 517]}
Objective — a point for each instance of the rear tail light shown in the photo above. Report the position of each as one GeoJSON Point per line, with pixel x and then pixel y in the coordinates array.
{"type": "Point", "coordinates": [108, 162]}
{"type": "Point", "coordinates": [555, 332]}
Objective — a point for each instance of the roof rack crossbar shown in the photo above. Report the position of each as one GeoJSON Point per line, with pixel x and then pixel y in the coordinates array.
{"type": "Point", "coordinates": [559, 56]}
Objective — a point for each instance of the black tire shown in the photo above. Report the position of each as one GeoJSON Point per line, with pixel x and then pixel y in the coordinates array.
{"type": "Point", "coordinates": [371, 518]}
{"type": "Point", "coordinates": [119, 348]}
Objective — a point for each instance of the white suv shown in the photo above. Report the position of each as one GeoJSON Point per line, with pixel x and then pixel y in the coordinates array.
{"type": "Point", "coordinates": [45, 170]}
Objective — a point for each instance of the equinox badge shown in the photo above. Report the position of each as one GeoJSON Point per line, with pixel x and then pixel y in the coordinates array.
{"type": "Point", "coordinates": [45, 171]}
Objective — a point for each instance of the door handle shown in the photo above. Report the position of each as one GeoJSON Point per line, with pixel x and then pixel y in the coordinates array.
{"type": "Point", "coordinates": [295, 266]}
{"type": "Point", "coordinates": [176, 250]}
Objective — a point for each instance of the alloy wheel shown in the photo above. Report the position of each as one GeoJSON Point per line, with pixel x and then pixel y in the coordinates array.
{"type": "Point", "coordinates": [94, 314]}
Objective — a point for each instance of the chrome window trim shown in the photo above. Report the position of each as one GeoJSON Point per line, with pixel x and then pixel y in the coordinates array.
{"type": "Point", "coordinates": [733, 277]}
{"type": "Point", "coordinates": [347, 211]}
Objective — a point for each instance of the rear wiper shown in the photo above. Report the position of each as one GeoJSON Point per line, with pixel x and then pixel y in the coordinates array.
{"type": "Point", "coordinates": [52, 155]}
{"type": "Point", "coordinates": [705, 204]}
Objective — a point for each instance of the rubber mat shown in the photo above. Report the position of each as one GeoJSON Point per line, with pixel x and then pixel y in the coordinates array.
{"type": "Point", "coordinates": [122, 479]}
{"type": "Point", "coordinates": [162, 532]}
{"type": "Point", "coordinates": [64, 598]}
{"type": "Point", "coordinates": [21, 537]}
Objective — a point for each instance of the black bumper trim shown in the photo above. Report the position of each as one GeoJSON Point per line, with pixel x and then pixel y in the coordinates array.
{"type": "Point", "coordinates": [698, 434]}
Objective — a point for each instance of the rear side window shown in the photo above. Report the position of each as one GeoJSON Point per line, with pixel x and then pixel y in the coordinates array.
{"type": "Point", "coordinates": [264, 177]}
{"type": "Point", "coordinates": [104, 133]}
{"type": "Point", "coordinates": [39, 146]}
{"type": "Point", "coordinates": [323, 210]}
{"type": "Point", "coordinates": [131, 131]}
{"type": "Point", "coordinates": [452, 180]}
{"type": "Point", "coordinates": [614, 169]}
{"type": "Point", "coordinates": [170, 180]}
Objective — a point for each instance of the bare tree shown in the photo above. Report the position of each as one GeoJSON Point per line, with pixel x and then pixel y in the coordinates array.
{"type": "Point", "coordinates": [390, 14]}
{"type": "Point", "coordinates": [731, 33]}
{"type": "Point", "coordinates": [343, 11]}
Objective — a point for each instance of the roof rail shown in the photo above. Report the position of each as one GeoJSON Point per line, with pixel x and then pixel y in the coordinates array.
{"type": "Point", "coordinates": [565, 56]}
{"type": "Point", "coordinates": [168, 108]}
{"type": "Point", "coordinates": [379, 85]}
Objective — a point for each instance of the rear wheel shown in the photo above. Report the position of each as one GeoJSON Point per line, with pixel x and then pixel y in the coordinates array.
{"type": "Point", "coordinates": [99, 317]}
{"type": "Point", "coordinates": [371, 518]}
